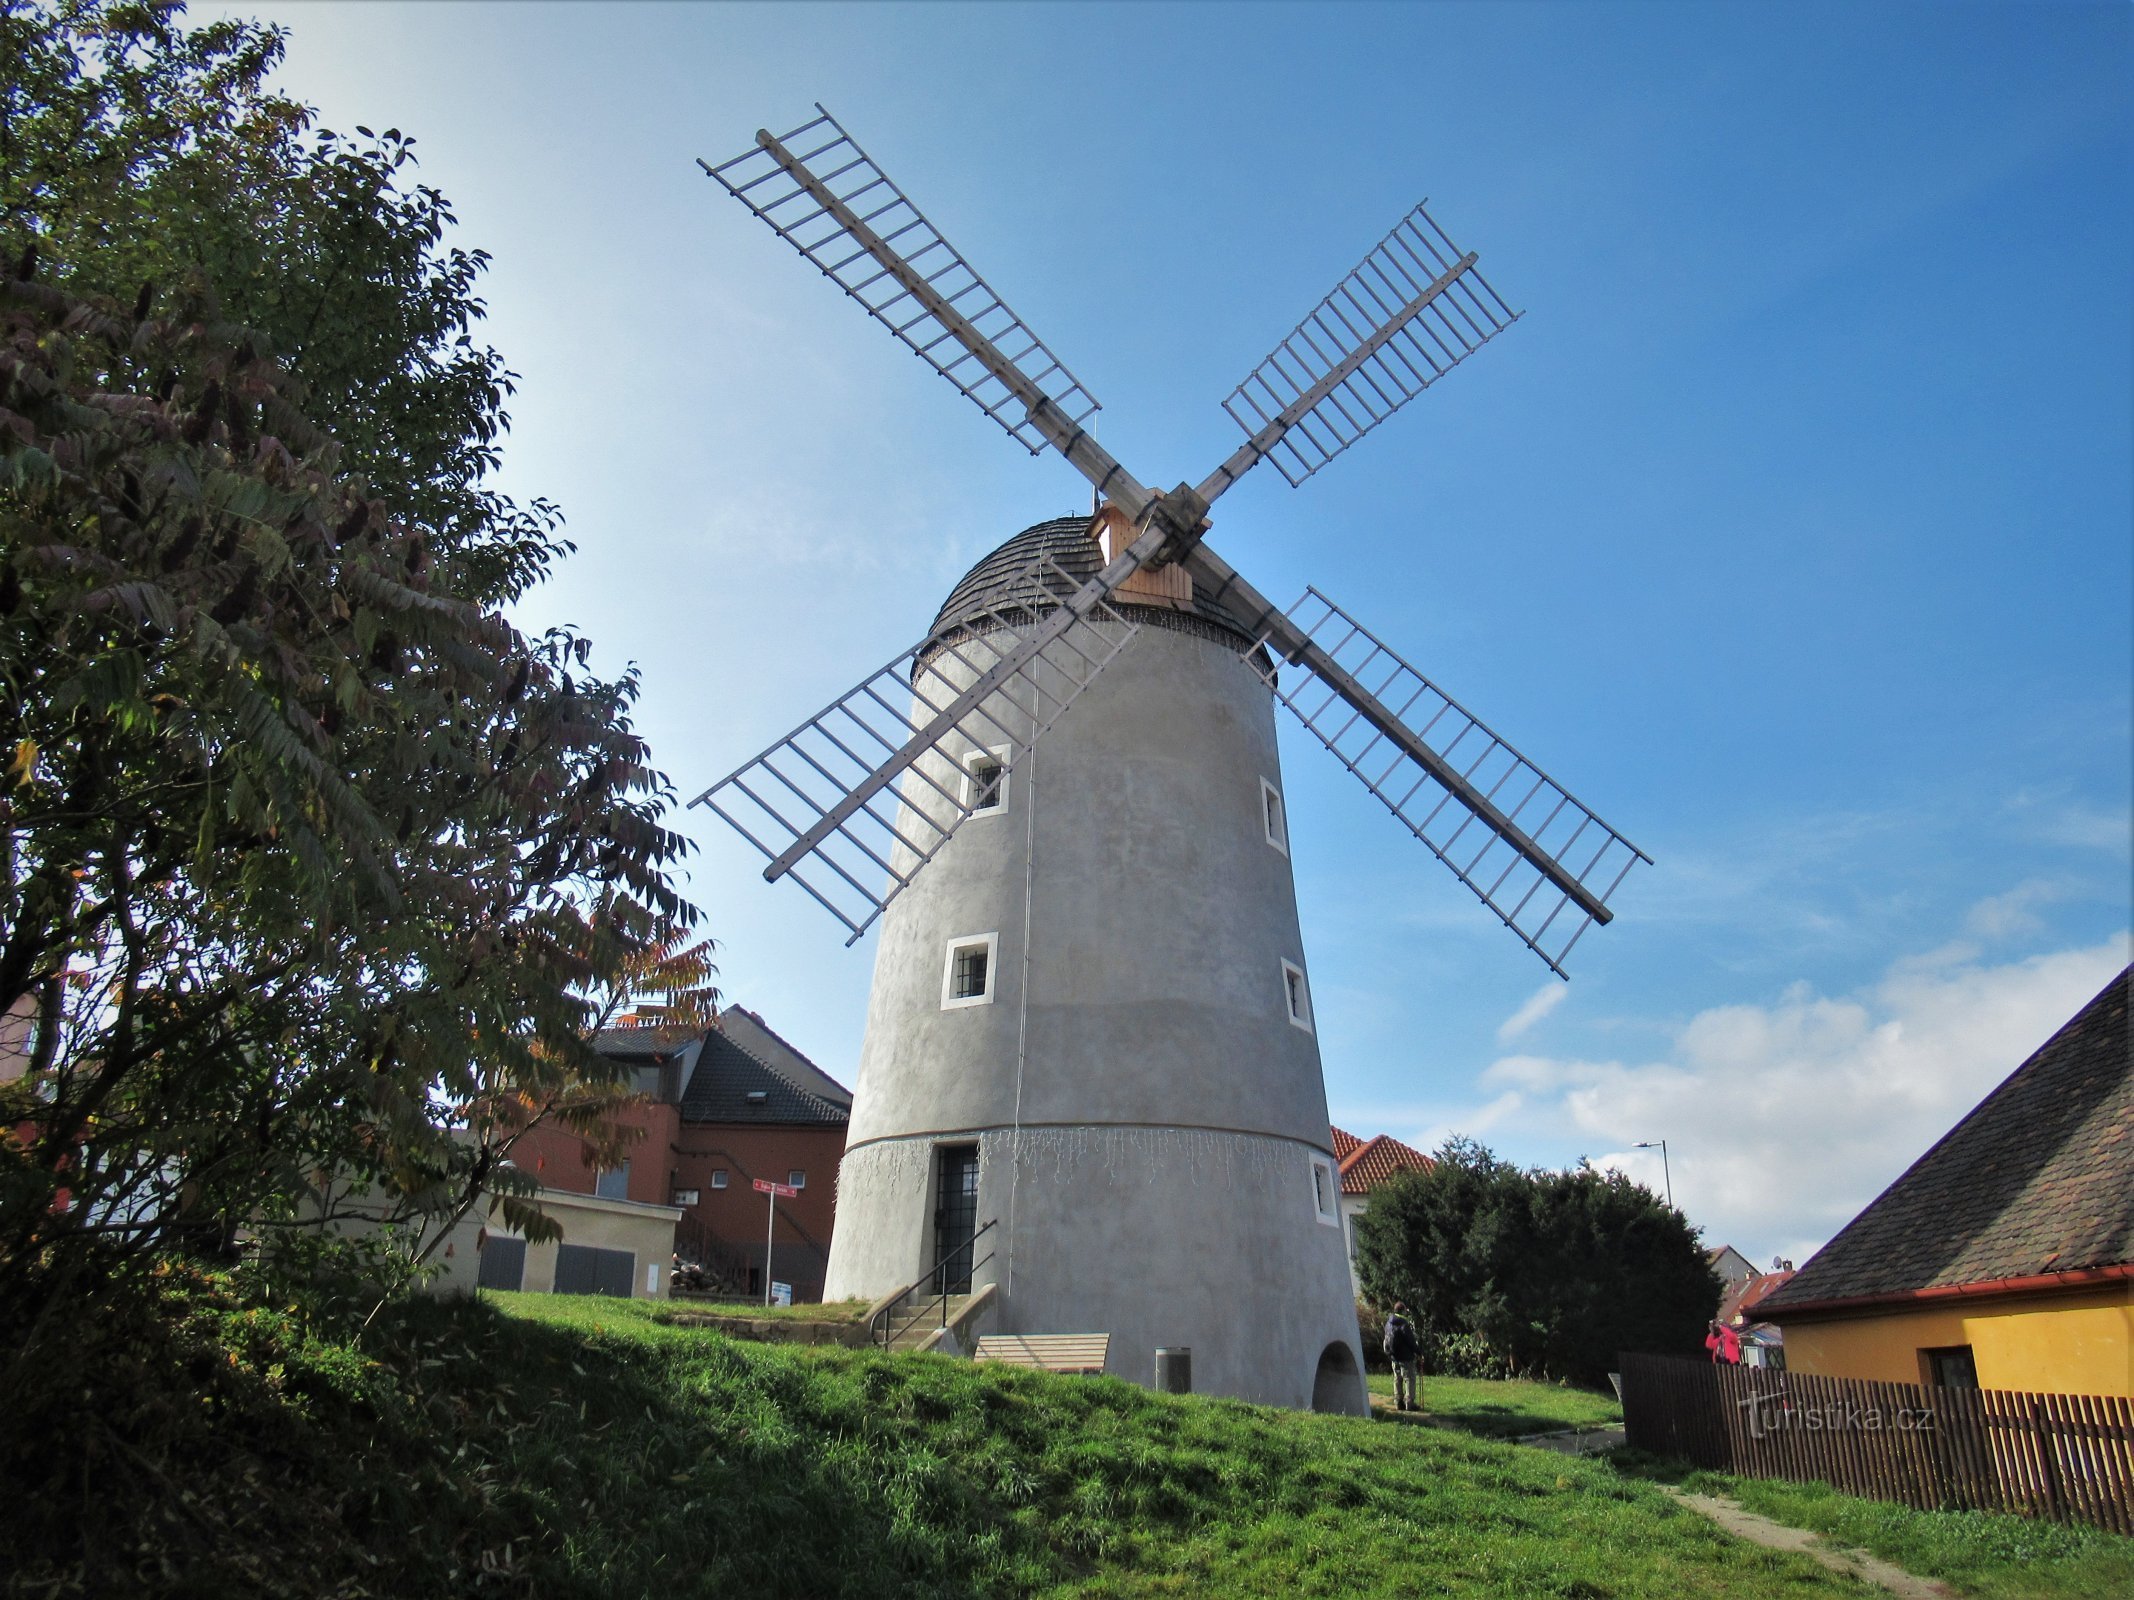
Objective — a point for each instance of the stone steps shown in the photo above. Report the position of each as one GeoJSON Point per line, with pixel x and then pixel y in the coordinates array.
{"type": "Point", "coordinates": [928, 1325]}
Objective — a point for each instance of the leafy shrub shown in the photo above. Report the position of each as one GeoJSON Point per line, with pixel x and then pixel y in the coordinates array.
{"type": "Point", "coordinates": [1371, 1331]}
{"type": "Point", "coordinates": [1554, 1273]}
{"type": "Point", "coordinates": [1461, 1355]}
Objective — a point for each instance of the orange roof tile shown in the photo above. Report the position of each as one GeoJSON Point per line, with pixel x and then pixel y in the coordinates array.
{"type": "Point", "coordinates": [1372, 1162]}
{"type": "Point", "coordinates": [1741, 1298]}
{"type": "Point", "coordinates": [1345, 1143]}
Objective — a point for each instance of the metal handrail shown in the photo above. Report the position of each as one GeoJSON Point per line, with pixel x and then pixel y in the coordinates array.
{"type": "Point", "coordinates": [885, 1327]}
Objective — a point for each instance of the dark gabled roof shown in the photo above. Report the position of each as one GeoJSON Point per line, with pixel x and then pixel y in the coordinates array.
{"type": "Point", "coordinates": [640, 1044]}
{"type": "Point", "coordinates": [766, 1044]}
{"type": "Point", "coordinates": [992, 583]}
{"type": "Point", "coordinates": [726, 1076]}
{"type": "Point", "coordinates": [2037, 1180]}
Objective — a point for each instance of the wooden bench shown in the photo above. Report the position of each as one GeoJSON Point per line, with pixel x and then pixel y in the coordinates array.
{"type": "Point", "coordinates": [1053, 1352]}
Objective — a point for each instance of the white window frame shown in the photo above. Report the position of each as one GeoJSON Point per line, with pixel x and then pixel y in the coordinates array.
{"type": "Point", "coordinates": [687, 1197]}
{"type": "Point", "coordinates": [997, 753]}
{"type": "Point", "coordinates": [796, 1178]}
{"type": "Point", "coordinates": [1326, 1191]}
{"type": "Point", "coordinates": [718, 1178]}
{"type": "Point", "coordinates": [1273, 807]}
{"type": "Point", "coordinates": [1295, 983]}
{"type": "Point", "coordinates": [950, 1001]}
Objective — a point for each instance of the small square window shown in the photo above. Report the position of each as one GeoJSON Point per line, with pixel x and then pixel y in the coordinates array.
{"type": "Point", "coordinates": [614, 1183]}
{"type": "Point", "coordinates": [985, 782]}
{"type": "Point", "coordinates": [1326, 1191]}
{"type": "Point", "coordinates": [796, 1179]}
{"type": "Point", "coordinates": [1272, 817]}
{"type": "Point", "coordinates": [686, 1197]}
{"type": "Point", "coordinates": [718, 1179]}
{"type": "Point", "coordinates": [967, 978]}
{"type": "Point", "coordinates": [1296, 995]}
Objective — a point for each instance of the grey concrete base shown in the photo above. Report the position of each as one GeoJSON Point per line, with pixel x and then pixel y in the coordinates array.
{"type": "Point", "coordinates": [1156, 1236]}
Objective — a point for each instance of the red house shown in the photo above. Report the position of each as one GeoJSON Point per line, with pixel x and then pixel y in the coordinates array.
{"type": "Point", "coordinates": [738, 1104]}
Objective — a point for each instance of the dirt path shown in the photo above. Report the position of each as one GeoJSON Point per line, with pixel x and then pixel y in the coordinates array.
{"type": "Point", "coordinates": [1745, 1524]}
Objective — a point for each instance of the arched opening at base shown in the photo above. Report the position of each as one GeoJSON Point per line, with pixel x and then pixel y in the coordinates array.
{"type": "Point", "coordinates": [1338, 1386]}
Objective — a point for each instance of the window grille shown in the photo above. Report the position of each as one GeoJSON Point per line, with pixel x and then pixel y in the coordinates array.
{"type": "Point", "coordinates": [967, 970]}
{"type": "Point", "coordinates": [985, 787]}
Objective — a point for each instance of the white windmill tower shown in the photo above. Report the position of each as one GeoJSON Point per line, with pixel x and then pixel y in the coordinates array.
{"type": "Point", "coordinates": [1090, 1078]}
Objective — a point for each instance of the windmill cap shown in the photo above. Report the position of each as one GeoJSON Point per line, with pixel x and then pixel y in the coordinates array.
{"type": "Point", "coordinates": [1000, 579]}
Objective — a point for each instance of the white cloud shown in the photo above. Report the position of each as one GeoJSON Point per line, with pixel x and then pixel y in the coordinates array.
{"type": "Point", "coordinates": [2001, 915]}
{"type": "Point", "coordinates": [2050, 815]}
{"type": "Point", "coordinates": [2090, 828]}
{"type": "Point", "coordinates": [1784, 1119]}
{"type": "Point", "coordinates": [1544, 1000]}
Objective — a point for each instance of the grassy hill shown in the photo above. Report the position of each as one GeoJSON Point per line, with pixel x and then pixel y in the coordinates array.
{"type": "Point", "coordinates": [565, 1447]}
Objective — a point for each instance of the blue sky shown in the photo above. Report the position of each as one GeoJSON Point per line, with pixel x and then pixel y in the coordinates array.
{"type": "Point", "coordinates": [1790, 528]}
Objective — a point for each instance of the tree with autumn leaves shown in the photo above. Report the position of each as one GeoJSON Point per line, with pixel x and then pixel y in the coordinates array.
{"type": "Point", "coordinates": [317, 873]}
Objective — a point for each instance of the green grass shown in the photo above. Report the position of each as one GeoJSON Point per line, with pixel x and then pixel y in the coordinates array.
{"type": "Point", "coordinates": [203, 1444]}
{"type": "Point", "coordinates": [682, 1310]}
{"type": "Point", "coordinates": [1499, 1408]}
{"type": "Point", "coordinates": [1981, 1554]}
{"type": "Point", "coordinates": [1008, 1482]}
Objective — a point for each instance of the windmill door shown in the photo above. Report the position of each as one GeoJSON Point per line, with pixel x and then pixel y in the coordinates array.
{"type": "Point", "coordinates": [955, 1218]}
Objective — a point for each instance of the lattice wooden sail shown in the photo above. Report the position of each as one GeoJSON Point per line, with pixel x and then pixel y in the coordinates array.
{"type": "Point", "coordinates": [1413, 309]}
{"type": "Point", "coordinates": [863, 795]}
{"type": "Point", "coordinates": [822, 194]}
{"type": "Point", "coordinates": [1497, 820]}
{"type": "Point", "coordinates": [889, 772]}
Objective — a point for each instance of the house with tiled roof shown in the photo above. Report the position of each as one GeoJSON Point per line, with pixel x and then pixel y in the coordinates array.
{"type": "Point", "coordinates": [1365, 1165]}
{"type": "Point", "coordinates": [721, 1110]}
{"type": "Point", "coordinates": [1729, 1264]}
{"type": "Point", "coordinates": [1763, 1343]}
{"type": "Point", "coordinates": [2004, 1258]}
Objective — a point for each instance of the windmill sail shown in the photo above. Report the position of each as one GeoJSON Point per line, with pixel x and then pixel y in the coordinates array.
{"type": "Point", "coordinates": [861, 796]}
{"type": "Point", "coordinates": [822, 194]}
{"type": "Point", "coordinates": [1529, 850]}
{"type": "Point", "coordinates": [1413, 309]}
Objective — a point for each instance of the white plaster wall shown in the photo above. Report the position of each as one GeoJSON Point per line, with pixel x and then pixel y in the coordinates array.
{"type": "Point", "coordinates": [1160, 1186]}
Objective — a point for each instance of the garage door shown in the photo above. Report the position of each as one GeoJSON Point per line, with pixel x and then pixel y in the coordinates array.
{"type": "Point", "coordinates": [581, 1269]}
{"type": "Point", "coordinates": [503, 1262]}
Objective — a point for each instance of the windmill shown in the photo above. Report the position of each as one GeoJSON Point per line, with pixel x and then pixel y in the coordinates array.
{"type": "Point", "coordinates": [1091, 1086]}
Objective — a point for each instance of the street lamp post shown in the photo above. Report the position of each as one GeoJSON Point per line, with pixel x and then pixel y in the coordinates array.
{"type": "Point", "coordinates": [1661, 1146]}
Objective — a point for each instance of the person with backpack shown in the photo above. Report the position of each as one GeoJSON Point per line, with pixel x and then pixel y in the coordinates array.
{"type": "Point", "coordinates": [1402, 1348]}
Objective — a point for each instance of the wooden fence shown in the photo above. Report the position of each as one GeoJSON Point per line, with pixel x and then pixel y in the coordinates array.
{"type": "Point", "coordinates": [2062, 1456]}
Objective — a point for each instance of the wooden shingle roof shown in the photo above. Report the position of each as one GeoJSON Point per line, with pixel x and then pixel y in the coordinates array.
{"type": "Point", "coordinates": [2037, 1181]}
{"type": "Point", "coordinates": [997, 582]}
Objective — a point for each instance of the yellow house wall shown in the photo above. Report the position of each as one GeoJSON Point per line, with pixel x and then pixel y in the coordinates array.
{"type": "Point", "coordinates": [2072, 1342]}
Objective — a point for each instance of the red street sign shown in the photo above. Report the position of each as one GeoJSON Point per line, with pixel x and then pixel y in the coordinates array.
{"type": "Point", "coordinates": [784, 1191]}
